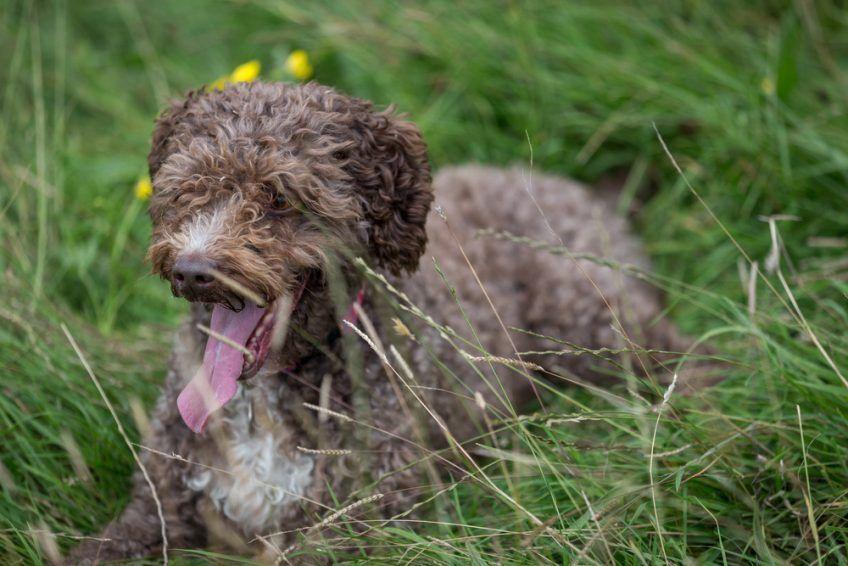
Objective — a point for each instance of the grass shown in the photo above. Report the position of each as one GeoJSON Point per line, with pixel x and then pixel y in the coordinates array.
{"type": "Point", "coordinates": [750, 100]}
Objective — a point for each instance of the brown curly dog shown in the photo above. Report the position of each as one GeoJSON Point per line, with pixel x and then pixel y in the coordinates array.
{"type": "Point", "coordinates": [308, 389]}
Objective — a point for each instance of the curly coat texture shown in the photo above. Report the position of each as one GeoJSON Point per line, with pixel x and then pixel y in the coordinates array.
{"type": "Point", "coordinates": [353, 181]}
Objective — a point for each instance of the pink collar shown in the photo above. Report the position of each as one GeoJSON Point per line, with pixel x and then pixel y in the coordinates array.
{"type": "Point", "coordinates": [352, 316]}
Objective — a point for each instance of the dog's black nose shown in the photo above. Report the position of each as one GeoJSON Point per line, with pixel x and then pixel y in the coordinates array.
{"type": "Point", "coordinates": [192, 276]}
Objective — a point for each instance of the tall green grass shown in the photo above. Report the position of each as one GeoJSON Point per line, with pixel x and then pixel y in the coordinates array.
{"type": "Point", "coordinates": [750, 100]}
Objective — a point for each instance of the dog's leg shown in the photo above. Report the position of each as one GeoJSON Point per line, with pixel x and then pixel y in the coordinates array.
{"type": "Point", "coordinates": [138, 531]}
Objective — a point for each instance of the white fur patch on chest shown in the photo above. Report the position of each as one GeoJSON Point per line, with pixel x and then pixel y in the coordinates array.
{"type": "Point", "coordinates": [262, 479]}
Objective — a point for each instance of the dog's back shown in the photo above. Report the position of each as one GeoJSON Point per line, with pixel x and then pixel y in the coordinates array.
{"type": "Point", "coordinates": [552, 260]}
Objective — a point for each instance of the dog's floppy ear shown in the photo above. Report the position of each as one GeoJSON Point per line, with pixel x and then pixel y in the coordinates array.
{"type": "Point", "coordinates": [389, 163]}
{"type": "Point", "coordinates": [166, 124]}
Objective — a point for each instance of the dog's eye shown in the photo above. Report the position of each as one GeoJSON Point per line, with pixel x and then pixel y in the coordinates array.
{"type": "Point", "coordinates": [280, 202]}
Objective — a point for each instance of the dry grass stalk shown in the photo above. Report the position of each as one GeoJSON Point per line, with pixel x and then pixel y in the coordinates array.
{"type": "Point", "coordinates": [452, 441]}
{"type": "Point", "coordinates": [46, 541]}
{"type": "Point", "coordinates": [325, 451]}
{"type": "Point", "coordinates": [393, 377]}
{"type": "Point", "coordinates": [6, 480]}
{"type": "Point", "coordinates": [126, 438]}
{"type": "Point", "coordinates": [283, 308]}
{"type": "Point", "coordinates": [489, 301]}
{"type": "Point", "coordinates": [613, 312]}
{"type": "Point", "coordinates": [796, 310]}
{"type": "Point", "coordinates": [340, 416]}
{"type": "Point", "coordinates": [332, 518]}
{"type": "Point", "coordinates": [324, 396]}
{"type": "Point", "coordinates": [752, 289]}
{"type": "Point", "coordinates": [237, 287]}
{"type": "Point", "coordinates": [139, 415]}
{"type": "Point", "coordinates": [401, 329]}
{"type": "Point", "coordinates": [36, 532]}
{"type": "Point", "coordinates": [600, 533]}
{"type": "Point", "coordinates": [827, 242]}
{"type": "Point", "coordinates": [808, 503]}
{"type": "Point", "coordinates": [505, 455]}
{"type": "Point", "coordinates": [665, 399]}
{"type": "Point", "coordinates": [75, 454]}
{"type": "Point", "coordinates": [232, 344]}
{"type": "Point", "coordinates": [505, 361]}
{"type": "Point", "coordinates": [388, 433]}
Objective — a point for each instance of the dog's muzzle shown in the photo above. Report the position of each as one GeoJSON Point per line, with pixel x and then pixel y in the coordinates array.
{"type": "Point", "coordinates": [192, 276]}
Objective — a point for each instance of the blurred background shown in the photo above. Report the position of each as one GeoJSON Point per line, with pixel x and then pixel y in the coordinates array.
{"type": "Point", "coordinates": [750, 99]}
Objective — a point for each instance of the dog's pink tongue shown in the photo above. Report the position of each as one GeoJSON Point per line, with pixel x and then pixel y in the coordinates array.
{"type": "Point", "coordinates": [215, 382]}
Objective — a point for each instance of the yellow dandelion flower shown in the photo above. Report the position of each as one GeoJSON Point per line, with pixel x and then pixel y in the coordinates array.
{"type": "Point", "coordinates": [220, 83]}
{"type": "Point", "coordinates": [767, 86]}
{"type": "Point", "coordinates": [297, 63]}
{"type": "Point", "coordinates": [143, 188]}
{"type": "Point", "coordinates": [246, 72]}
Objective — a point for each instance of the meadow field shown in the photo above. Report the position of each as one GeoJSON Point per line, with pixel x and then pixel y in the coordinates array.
{"type": "Point", "coordinates": [724, 125]}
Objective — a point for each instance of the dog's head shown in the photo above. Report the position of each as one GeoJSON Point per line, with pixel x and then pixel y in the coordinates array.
{"type": "Point", "coordinates": [261, 182]}
{"type": "Point", "coordinates": [258, 186]}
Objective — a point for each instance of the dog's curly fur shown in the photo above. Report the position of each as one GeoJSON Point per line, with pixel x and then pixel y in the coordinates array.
{"type": "Point", "coordinates": [284, 185]}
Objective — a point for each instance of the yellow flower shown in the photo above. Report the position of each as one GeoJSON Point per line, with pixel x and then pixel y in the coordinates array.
{"type": "Point", "coordinates": [220, 83]}
{"type": "Point", "coordinates": [297, 63]}
{"type": "Point", "coordinates": [244, 73]}
{"type": "Point", "coordinates": [767, 86]}
{"type": "Point", "coordinates": [143, 188]}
